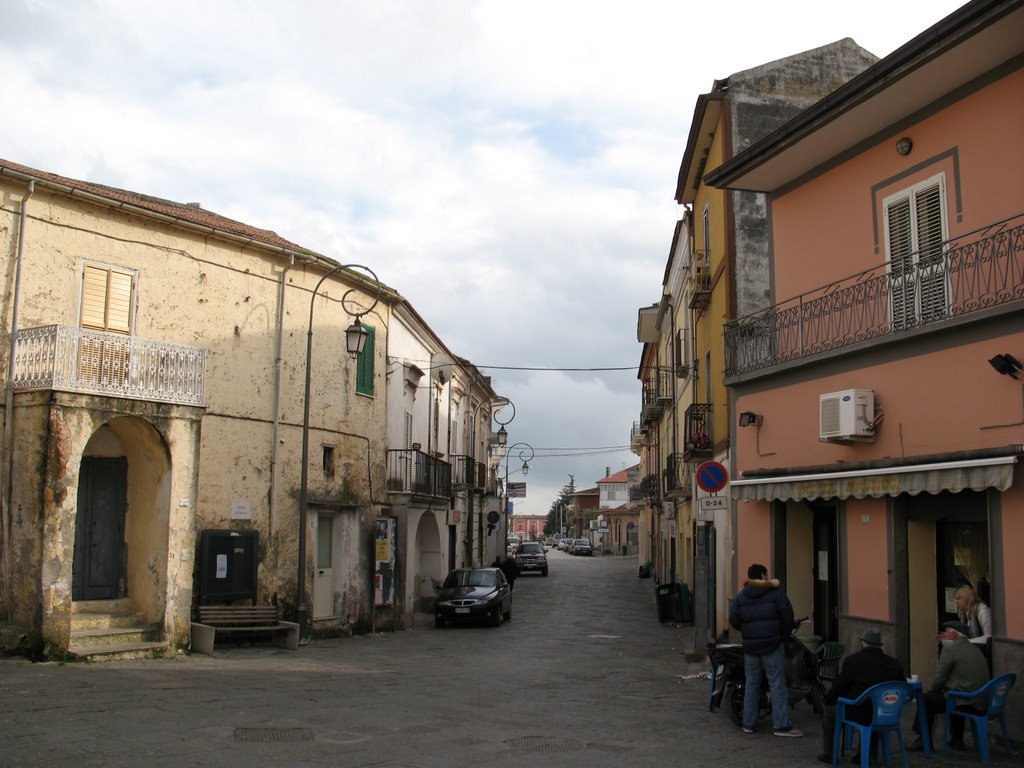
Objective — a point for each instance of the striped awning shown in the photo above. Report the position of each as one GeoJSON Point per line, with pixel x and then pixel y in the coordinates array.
{"type": "Point", "coordinates": [953, 476]}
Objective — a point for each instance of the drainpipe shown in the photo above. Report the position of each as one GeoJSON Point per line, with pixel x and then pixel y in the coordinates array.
{"type": "Point", "coordinates": [275, 443]}
{"type": "Point", "coordinates": [6, 465]}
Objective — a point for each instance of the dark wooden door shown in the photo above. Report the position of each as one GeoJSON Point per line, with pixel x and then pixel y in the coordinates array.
{"type": "Point", "coordinates": [98, 572]}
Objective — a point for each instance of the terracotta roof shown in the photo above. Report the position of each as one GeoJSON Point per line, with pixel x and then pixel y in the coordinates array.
{"type": "Point", "coordinates": [618, 477]}
{"type": "Point", "coordinates": [179, 212]}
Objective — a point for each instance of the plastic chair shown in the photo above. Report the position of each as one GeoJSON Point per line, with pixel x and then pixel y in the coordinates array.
{"type": "Point", "coordinates": [887, 700]}
{"type": "Point", "coordinates": [828, 657]}
{"type": "Point", "coordinates": [990, 704]}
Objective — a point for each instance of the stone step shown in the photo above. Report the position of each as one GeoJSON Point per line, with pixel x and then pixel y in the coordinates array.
{"type": "Point", "coordinates": [138, 650]}
{"type": "Point", "coordinates": [104, 620]}
{"type": "Point", "coordinates": [105, 637]}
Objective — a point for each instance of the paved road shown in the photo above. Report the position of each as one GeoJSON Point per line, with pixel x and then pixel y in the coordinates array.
{"type": "Point", "coordinates": [583, 675]}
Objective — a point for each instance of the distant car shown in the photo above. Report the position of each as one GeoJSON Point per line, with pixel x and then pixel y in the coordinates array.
{"type": "Point", "coordinates": [531, 557]}
{"type": "Point", "coordinates": [512, 544]}
{"type": "Point", "coordinates": [473, 594]}
{"type": "Point", "coordinates": [564, 544]}
{"type": "Point", "coordinates": [582, 547]}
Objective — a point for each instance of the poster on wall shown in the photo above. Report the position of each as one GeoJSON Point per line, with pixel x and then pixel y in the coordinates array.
{"type": "Point", "coordinates": [384, 561]}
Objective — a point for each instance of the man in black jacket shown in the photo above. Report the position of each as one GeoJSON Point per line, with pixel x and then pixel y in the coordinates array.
{"type": "Point", "coordinates": [764, 616]}
{"type": "Point", "coordinates": [861, 670]}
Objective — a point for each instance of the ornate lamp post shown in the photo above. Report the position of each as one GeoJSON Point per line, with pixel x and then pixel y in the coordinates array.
{"type": "Point", "coordinates": [491, 402]}
{"type": "Point", "coordinates": [355, 339]}
{"type": "Point", "coordinates": [526, 454]}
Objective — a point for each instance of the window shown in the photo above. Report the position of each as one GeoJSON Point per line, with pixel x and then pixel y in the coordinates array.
{"type": "Point", "coordinates": [328, 461]}
{"type": "Point", "coordinates": [365, 364]}
{"type": "Point", "coordinates": [107, 298]}
{"type": "Point", "coordinates": [107, 303]}
{"type": "Point", "coordinates": [915, 230]}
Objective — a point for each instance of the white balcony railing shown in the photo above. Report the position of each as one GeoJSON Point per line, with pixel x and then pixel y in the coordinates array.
{"type": "Point", "coordinates": [75, 359]}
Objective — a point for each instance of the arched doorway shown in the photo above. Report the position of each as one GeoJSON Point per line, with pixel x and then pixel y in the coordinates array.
{"type": "Point", "coordinates": [429, 560]}
{"type": "Point", "coordinates": [122, 518]}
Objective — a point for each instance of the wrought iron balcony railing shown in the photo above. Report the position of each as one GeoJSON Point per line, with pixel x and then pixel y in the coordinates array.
{"type": "Point", "coordinates": [72, 359]}
{"type": "Point", "coordinates": [678, 477]}
{"type": "Point", "coordinates": [467, 472]}
{"type": "Point", "coordinates": [411, 471]}
{"type": "Point", "coordinates": [657, 395]}
{"type": "Point", "coordinates": [976, 271]}
{"type": "Point", "coordinates": [645, 490]}
{"type": "Point", "coordinates": [698, 442]}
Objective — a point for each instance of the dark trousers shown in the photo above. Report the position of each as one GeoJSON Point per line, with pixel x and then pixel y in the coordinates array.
{"type": "Point", "coordinates": [935, 704]}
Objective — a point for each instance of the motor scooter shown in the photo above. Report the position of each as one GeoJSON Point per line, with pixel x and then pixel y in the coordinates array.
{"type": "Point", "coordinates": [727, 681]}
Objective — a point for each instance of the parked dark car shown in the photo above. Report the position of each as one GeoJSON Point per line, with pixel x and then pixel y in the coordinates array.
{"type": "Point", "coordinates": [531, 558]}
{"type": "Point", "coordinates": [582, 547]}
{"type": "Point", "coordinates": [473, 594]}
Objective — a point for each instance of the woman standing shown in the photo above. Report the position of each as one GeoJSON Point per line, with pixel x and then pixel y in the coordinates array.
{"type": "Point", "coordinates": [975, 614]}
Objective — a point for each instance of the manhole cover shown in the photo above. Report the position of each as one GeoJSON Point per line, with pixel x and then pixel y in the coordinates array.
{"type": "Point", "coordinates": [273, 734]}
{"type": "Point", "coordinates": [546, 744]}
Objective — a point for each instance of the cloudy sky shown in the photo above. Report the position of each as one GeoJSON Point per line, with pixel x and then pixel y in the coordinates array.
{"type": "Point", "coordinates": [507, 165]}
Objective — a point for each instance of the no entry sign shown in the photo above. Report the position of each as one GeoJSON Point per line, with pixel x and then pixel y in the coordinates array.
{"type": "Point", "coordinates": [712, 476]}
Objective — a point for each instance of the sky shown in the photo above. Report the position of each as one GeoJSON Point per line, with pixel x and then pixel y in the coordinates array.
{"type": "Point", "coordinates": [508, 166]}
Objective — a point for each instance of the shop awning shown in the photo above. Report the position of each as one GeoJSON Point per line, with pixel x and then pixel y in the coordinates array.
{"type": "Point", "coordinates": [953, 476]}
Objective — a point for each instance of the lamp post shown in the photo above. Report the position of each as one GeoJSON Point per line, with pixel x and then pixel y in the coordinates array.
{"type": "Point", "coordinates": [355, 339]}
{"type": "Point", "coordinates": [471, 469]}
{"type": "Point", "coordinates": [526, 454]}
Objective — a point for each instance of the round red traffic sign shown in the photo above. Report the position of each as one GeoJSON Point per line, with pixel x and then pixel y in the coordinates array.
{"type": "Point", "coordinates": [712, 476]}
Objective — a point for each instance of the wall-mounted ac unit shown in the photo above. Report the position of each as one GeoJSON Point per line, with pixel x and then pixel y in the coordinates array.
{"type": "Point", "coordinates": [847, 416]}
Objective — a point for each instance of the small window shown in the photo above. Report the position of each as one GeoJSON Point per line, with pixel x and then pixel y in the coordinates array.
{"type": "Point", "coordinates": [107, 298]}
{"type": "Point", "coordinates": [365, 364]}
{"type": "Point", "coordinates": [328, 464]}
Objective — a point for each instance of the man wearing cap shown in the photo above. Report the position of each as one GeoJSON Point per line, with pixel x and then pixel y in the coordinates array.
{"type": "Point", "coordinates": [861, 670]}
{"type": "Point", "coordinates": [961, 667]}
{"type": "Point", "coordinates": [762, 613]}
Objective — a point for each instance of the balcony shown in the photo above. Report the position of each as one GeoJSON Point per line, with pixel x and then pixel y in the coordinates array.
{"type": "Point", "coordinates": [982, 270]}
{"type": "Point", "coordinates": [471, 474]}
{"type": "Point", "coordinates": [645, 490]}
{"type": "Point", "coordinates": [414, 472]}
{"type": "Point", "coordinates": [678, 477]}
{"type": "Point", "coordinates": [698, 442]}
{"type": "Point", "coordinates": [72, 359]}
{"type": "Point", "coordinates": [699, 290]}
{"type": "Point", "coordinates": [657, 396]}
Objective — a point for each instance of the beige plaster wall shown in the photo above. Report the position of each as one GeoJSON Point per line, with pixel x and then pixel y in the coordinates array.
{"type": "Point", "coordinates": [227, 298]}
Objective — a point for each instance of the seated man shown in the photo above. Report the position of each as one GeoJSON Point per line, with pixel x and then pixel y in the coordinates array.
{"type": "Point", "coordinates": [861, 670]}
{"type": "Point", "coordinates": [961, 667]}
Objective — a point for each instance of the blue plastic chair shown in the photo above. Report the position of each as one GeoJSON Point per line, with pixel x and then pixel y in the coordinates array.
{"type": "Point", "coordinates": [887, 700]}
{"type": "Point", "coordinates": [990, 704]}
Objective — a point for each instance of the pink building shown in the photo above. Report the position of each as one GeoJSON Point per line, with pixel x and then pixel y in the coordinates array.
{"type": "Point", "coordinates": [878, 404]}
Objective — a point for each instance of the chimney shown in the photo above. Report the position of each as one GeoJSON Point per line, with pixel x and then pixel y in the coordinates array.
{"type": "Point", "coordinates": [607, 471]}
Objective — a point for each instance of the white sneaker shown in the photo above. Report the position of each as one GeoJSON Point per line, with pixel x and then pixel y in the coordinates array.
{"type": "Point", "coordinates": [791, 732]}
{"type": "Point", "coordinates": [747, 730]}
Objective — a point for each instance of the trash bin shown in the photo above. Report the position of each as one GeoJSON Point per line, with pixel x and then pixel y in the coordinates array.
{"type": "Point", "coordinates": [685, 603]}
{"type": "Point", "coordinates": [664, 599]}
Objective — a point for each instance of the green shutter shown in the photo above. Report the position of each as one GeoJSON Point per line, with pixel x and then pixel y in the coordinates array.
{"type": "Point", "coordinates": [364, 364]}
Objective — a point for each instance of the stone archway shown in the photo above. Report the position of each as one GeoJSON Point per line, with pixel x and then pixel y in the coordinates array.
{"type": "Point", "coordinates": [429, 561]}
{"type": "Point", "coordinates": [140, 448]}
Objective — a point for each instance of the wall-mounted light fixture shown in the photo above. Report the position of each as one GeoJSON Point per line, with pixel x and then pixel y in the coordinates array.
{"type": "Point", "coordinates": [1007, 365]}
{"type": "Point", "coordinates": [749, 417]}
{"type": "Point", "coordinates": [904, 145]}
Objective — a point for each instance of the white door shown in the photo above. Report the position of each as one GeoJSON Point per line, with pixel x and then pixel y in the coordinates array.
{"type": "Point", "coordinates": [323, 582]}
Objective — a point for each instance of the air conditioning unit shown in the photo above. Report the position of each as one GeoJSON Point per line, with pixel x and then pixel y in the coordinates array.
{"type": "Point", "coordinates": [847, 416]}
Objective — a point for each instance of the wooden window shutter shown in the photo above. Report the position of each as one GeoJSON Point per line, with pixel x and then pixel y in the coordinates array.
{"type": "Point", "coordinates": [365, 364]}
{"type": "Point", "coordinates": [107, 299]}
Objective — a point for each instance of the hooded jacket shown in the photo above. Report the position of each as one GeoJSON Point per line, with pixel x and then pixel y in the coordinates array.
{"type": "Point", "coordinates": [762, 613]}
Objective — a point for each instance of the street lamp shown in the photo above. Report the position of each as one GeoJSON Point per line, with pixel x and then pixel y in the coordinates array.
{"type": "Point", "coordinates": [355, 340]}
{"type": "Point", "coordinates": [526, 454]}
{"type": "Point", "coordinates": [502, 438]}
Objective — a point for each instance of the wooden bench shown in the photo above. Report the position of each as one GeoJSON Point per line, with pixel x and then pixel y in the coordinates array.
{"type": "Point", "coordinates": [241, 619]}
